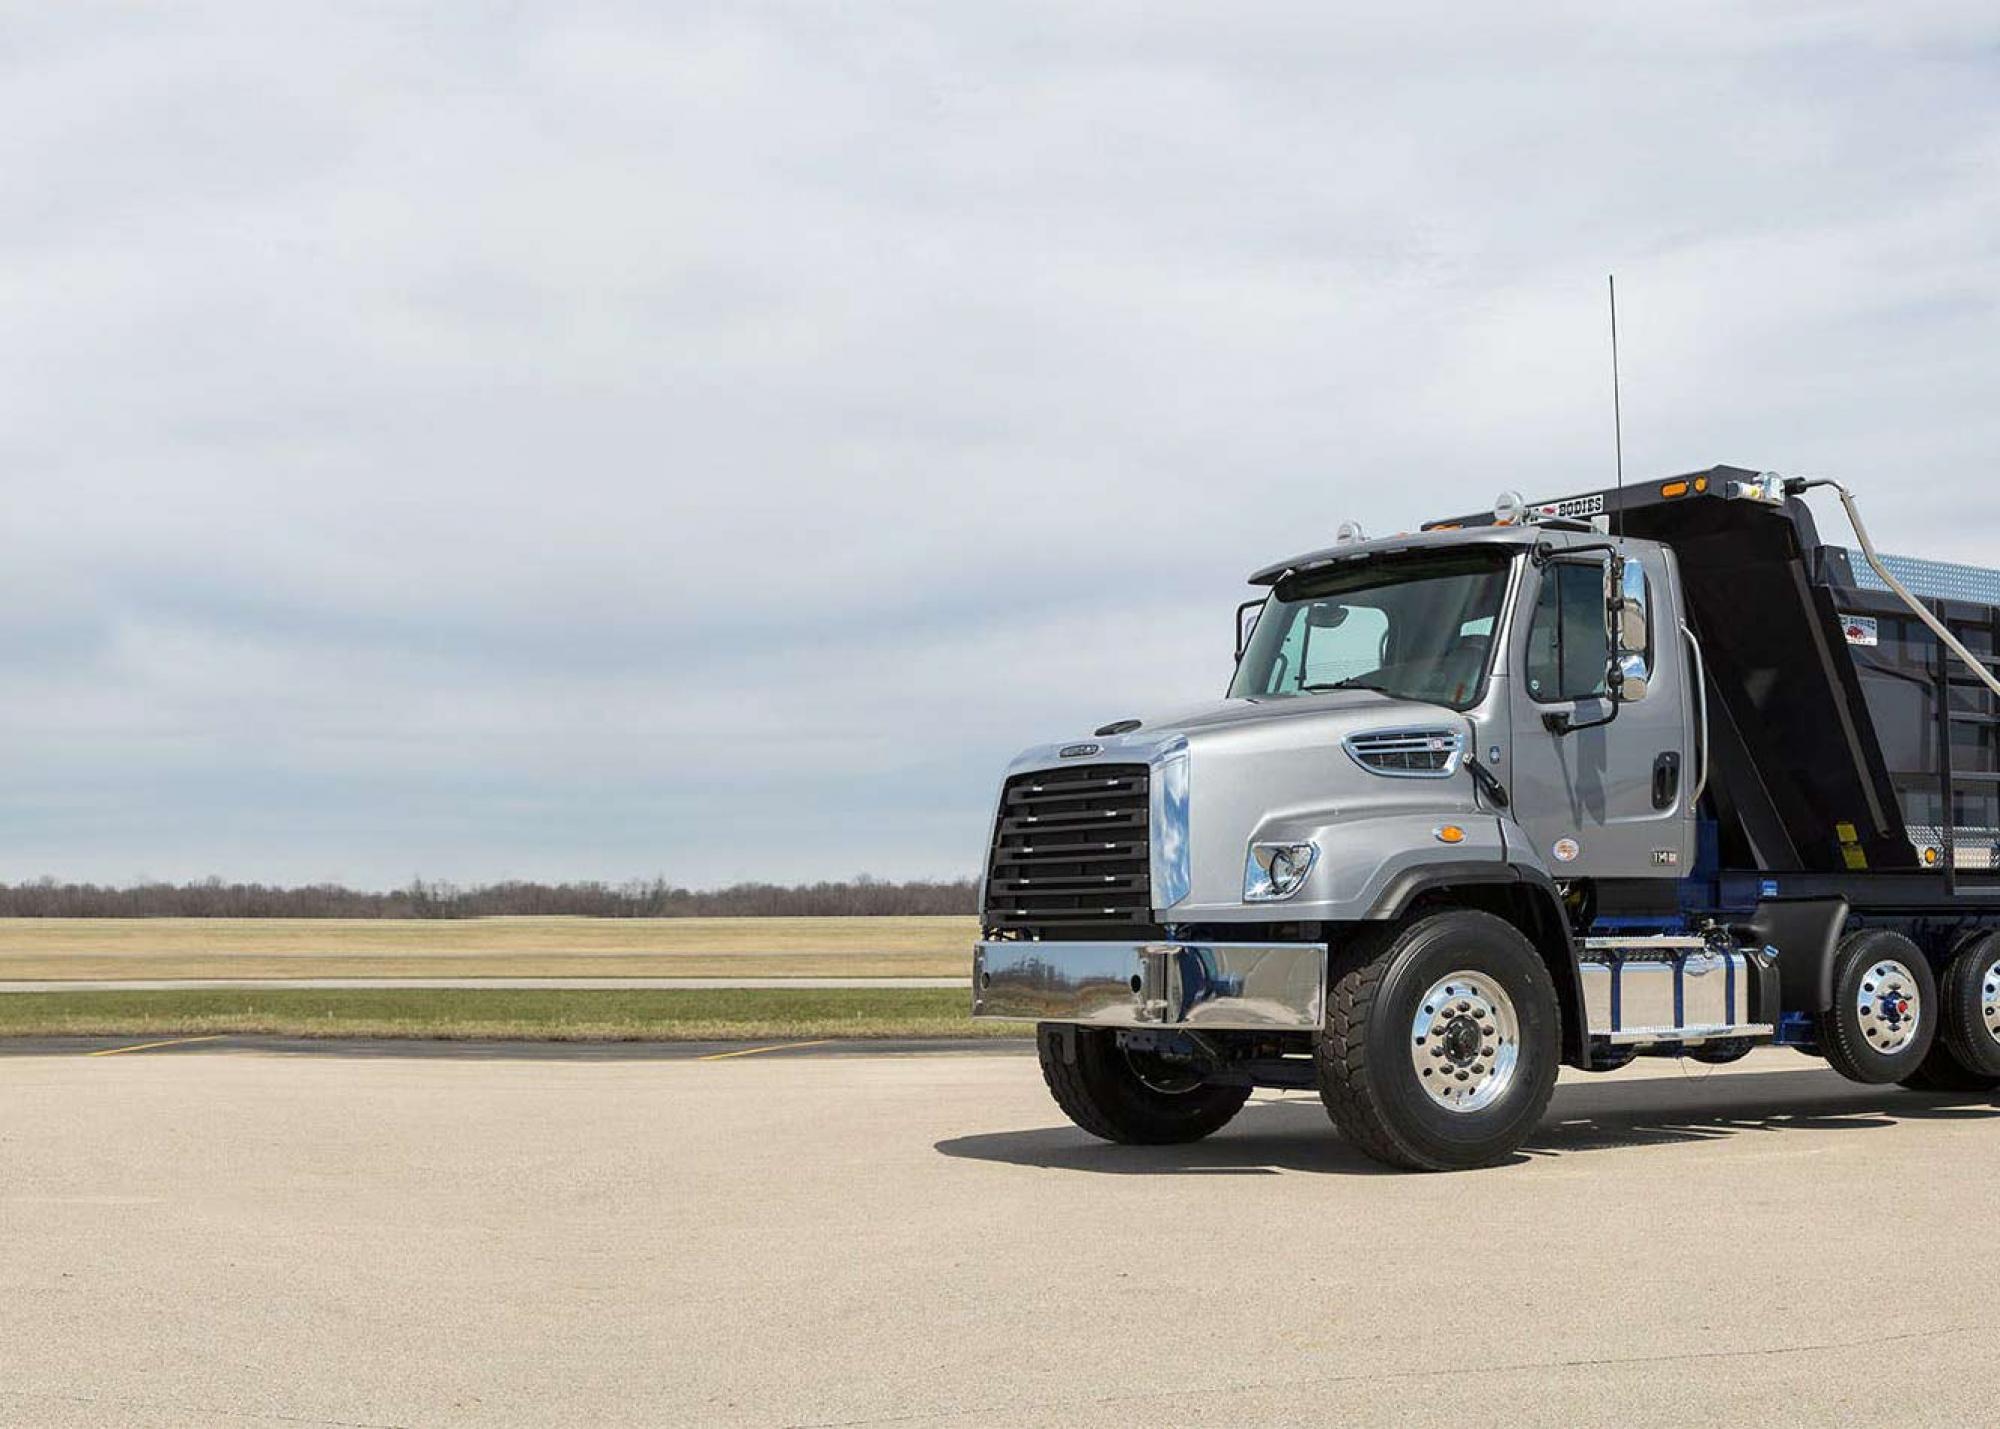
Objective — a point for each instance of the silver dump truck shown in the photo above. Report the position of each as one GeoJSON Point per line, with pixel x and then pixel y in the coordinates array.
{"type": "Point", "coordinates": [1640, 772]}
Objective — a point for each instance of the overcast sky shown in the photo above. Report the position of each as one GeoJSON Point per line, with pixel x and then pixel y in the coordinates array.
{"type": "Point", "coordinates": [604, 441]}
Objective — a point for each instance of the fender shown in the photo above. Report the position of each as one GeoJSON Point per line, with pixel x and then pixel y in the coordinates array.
{"type": "Point", "coordinates": [1404, 889]}
{"type": "Point", "coordinates": [1806, 932]}
{"type": "Point", "coordinates": [1527, 897]}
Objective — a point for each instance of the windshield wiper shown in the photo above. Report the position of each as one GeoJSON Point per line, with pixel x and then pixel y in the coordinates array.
{"type": "Point", "coordinates": [1352, 683]}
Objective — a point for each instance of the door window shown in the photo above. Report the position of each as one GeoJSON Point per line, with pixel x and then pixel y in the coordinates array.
{"type": "Point", "coordinates": [1568, 645]}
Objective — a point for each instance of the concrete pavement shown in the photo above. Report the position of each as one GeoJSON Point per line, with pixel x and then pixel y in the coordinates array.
{"type": "Point", "coordinates": [210, 1235]}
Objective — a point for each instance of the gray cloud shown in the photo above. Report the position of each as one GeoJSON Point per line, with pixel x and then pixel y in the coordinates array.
{"type": "Point", "coordinates": [615, 440]}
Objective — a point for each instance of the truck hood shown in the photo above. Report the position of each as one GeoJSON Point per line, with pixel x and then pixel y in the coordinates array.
{"type": "Point", "coordinates": [1303, 719]}
{"type": "Point", "coordinates": [1219, 714]}
{"type": "Point", "coordinates": [1242, 771]}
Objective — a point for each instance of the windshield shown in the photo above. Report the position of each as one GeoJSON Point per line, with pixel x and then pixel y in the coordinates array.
{"type": "Point", "coordinates": [1417, 627]}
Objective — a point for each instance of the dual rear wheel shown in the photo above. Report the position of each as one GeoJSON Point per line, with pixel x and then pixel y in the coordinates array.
{"type": "Point", "coordinates": [1894, 1020]}
{"type": "Point", "coordinates": [1965, 1056]}
{"type": "Point", "coordinates": [1885, 1008]}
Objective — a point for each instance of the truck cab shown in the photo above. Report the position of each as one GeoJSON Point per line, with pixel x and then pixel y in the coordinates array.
{"type": "Point", "coordinates": [1454, 824]}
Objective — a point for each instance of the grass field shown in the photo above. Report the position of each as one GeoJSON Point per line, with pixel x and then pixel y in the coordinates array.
{"type": "Point", "coordinates": [101, 948]}
{"type": "Point", "coordinates": [581, 1015]}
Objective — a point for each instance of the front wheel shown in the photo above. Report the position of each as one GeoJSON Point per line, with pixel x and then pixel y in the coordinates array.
{"type": "Point", "coordinates": [1131, 1097]}
{"type": "Point", "coordinates": [1441, 1043]}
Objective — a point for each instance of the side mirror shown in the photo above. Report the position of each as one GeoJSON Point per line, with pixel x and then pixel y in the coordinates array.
{"type": "Point", "coordinates": [1629, 624]}
{"type": "Point", "coordinates": [1246, 625]}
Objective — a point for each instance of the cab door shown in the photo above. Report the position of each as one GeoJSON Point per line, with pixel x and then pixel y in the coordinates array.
{"type": "Point", "coordinates": [1605, 799]}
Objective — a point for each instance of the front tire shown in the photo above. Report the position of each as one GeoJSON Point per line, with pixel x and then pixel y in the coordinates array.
{"type": "Point", "coordinates": [1885, 1008]}
{"type": "Point", "coordinates": [1128, 1097]}
{"type": "Point", "coordinates": [1442, 1042]}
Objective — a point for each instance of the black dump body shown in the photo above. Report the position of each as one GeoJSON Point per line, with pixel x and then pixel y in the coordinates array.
{"type": "Point", "coordinates": [1798, 776]}
{"type": "Point", "coordinates": [1849, 751]}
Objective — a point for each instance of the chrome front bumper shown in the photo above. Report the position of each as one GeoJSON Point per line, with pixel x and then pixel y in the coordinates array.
{"type": "Point", "coordinates": [1245, 987]}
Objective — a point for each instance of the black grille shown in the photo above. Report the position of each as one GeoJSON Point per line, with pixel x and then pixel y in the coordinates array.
{"type": "Point", "coordinates": [1069, 856]}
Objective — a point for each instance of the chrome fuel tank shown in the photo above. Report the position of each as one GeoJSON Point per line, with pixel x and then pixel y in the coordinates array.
{"type": "Point", "coordinates": [1639, 990]}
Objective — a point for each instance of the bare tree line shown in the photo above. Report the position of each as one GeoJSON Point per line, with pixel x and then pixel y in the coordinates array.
{"type": "Point", "coordinates": [212, 898]}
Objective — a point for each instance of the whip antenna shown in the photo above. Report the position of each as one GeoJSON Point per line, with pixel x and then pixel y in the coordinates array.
{"type": "Point", "coordinates": [1617, 416]}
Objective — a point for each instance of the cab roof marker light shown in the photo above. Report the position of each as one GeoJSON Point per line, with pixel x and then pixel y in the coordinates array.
{"type": "Point", "coordinates": [1673, 489]}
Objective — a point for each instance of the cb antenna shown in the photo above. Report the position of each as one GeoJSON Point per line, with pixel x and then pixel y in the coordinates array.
{"type": "Point", "coordinates": [1617, 416]}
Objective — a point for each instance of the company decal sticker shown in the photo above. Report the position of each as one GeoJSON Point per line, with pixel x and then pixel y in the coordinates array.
{"type": "Point", "coordinates": [1573, 508]}
{"type": "Point", "coordinates": [1861, 629]}
{"type": "Point", "coordinates": [1566, 850]}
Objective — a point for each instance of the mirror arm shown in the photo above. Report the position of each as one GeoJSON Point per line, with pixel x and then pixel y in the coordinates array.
{"type": "Point", "coordinates": [1488, 782]}
{"type": "Point", "coordinates": [1561, 722]}
{"type": "Point", "coordinates": [1242, 643]}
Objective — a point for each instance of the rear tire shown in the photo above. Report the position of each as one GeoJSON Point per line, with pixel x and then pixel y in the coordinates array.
{"type": "Point", "coordinates": [1117, 1096]}
{"type": "Point", "coordinates": [1941, 1072]}
{"type": "Point", "coordinates": [1442, 1042]}
{"type": "Point", "coordinates": [1966, 1055]}
{"type": "Point", "coordinates": [1885, 1008]}
{"type": "Point", "coordinates": [1972, 1004]}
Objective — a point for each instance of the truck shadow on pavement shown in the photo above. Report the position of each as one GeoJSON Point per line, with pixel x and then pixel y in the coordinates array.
{"type": "Point", "coordinates": [1292, 1133]}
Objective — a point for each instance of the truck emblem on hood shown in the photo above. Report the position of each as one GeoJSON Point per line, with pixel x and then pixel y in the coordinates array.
{"type": "Point", "coordinates": [1079, 751]}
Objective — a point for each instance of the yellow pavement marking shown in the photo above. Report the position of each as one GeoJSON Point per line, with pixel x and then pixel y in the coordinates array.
{"type": "Point", "coordinates": [149, 1046]}
{"type": "Point", "coordinates": [753, 1051]}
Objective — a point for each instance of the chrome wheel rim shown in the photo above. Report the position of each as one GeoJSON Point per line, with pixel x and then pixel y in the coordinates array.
{"type": "Point", "coordinates": [1465, 1042]}
{"type": "Point", "coordinates": [1989, 1000]}
{"type": "Point", "coordinates": [1889, 1006]}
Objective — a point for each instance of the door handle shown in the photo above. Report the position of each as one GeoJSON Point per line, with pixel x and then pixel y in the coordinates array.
{"type": "Point", "coordinates": [1666, 779]}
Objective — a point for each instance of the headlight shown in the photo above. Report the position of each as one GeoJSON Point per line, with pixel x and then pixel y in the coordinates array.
{"type": "Point", "coordinates": [1169, 832]}
{"type": "Point", "coordinates": [1274, 872]}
